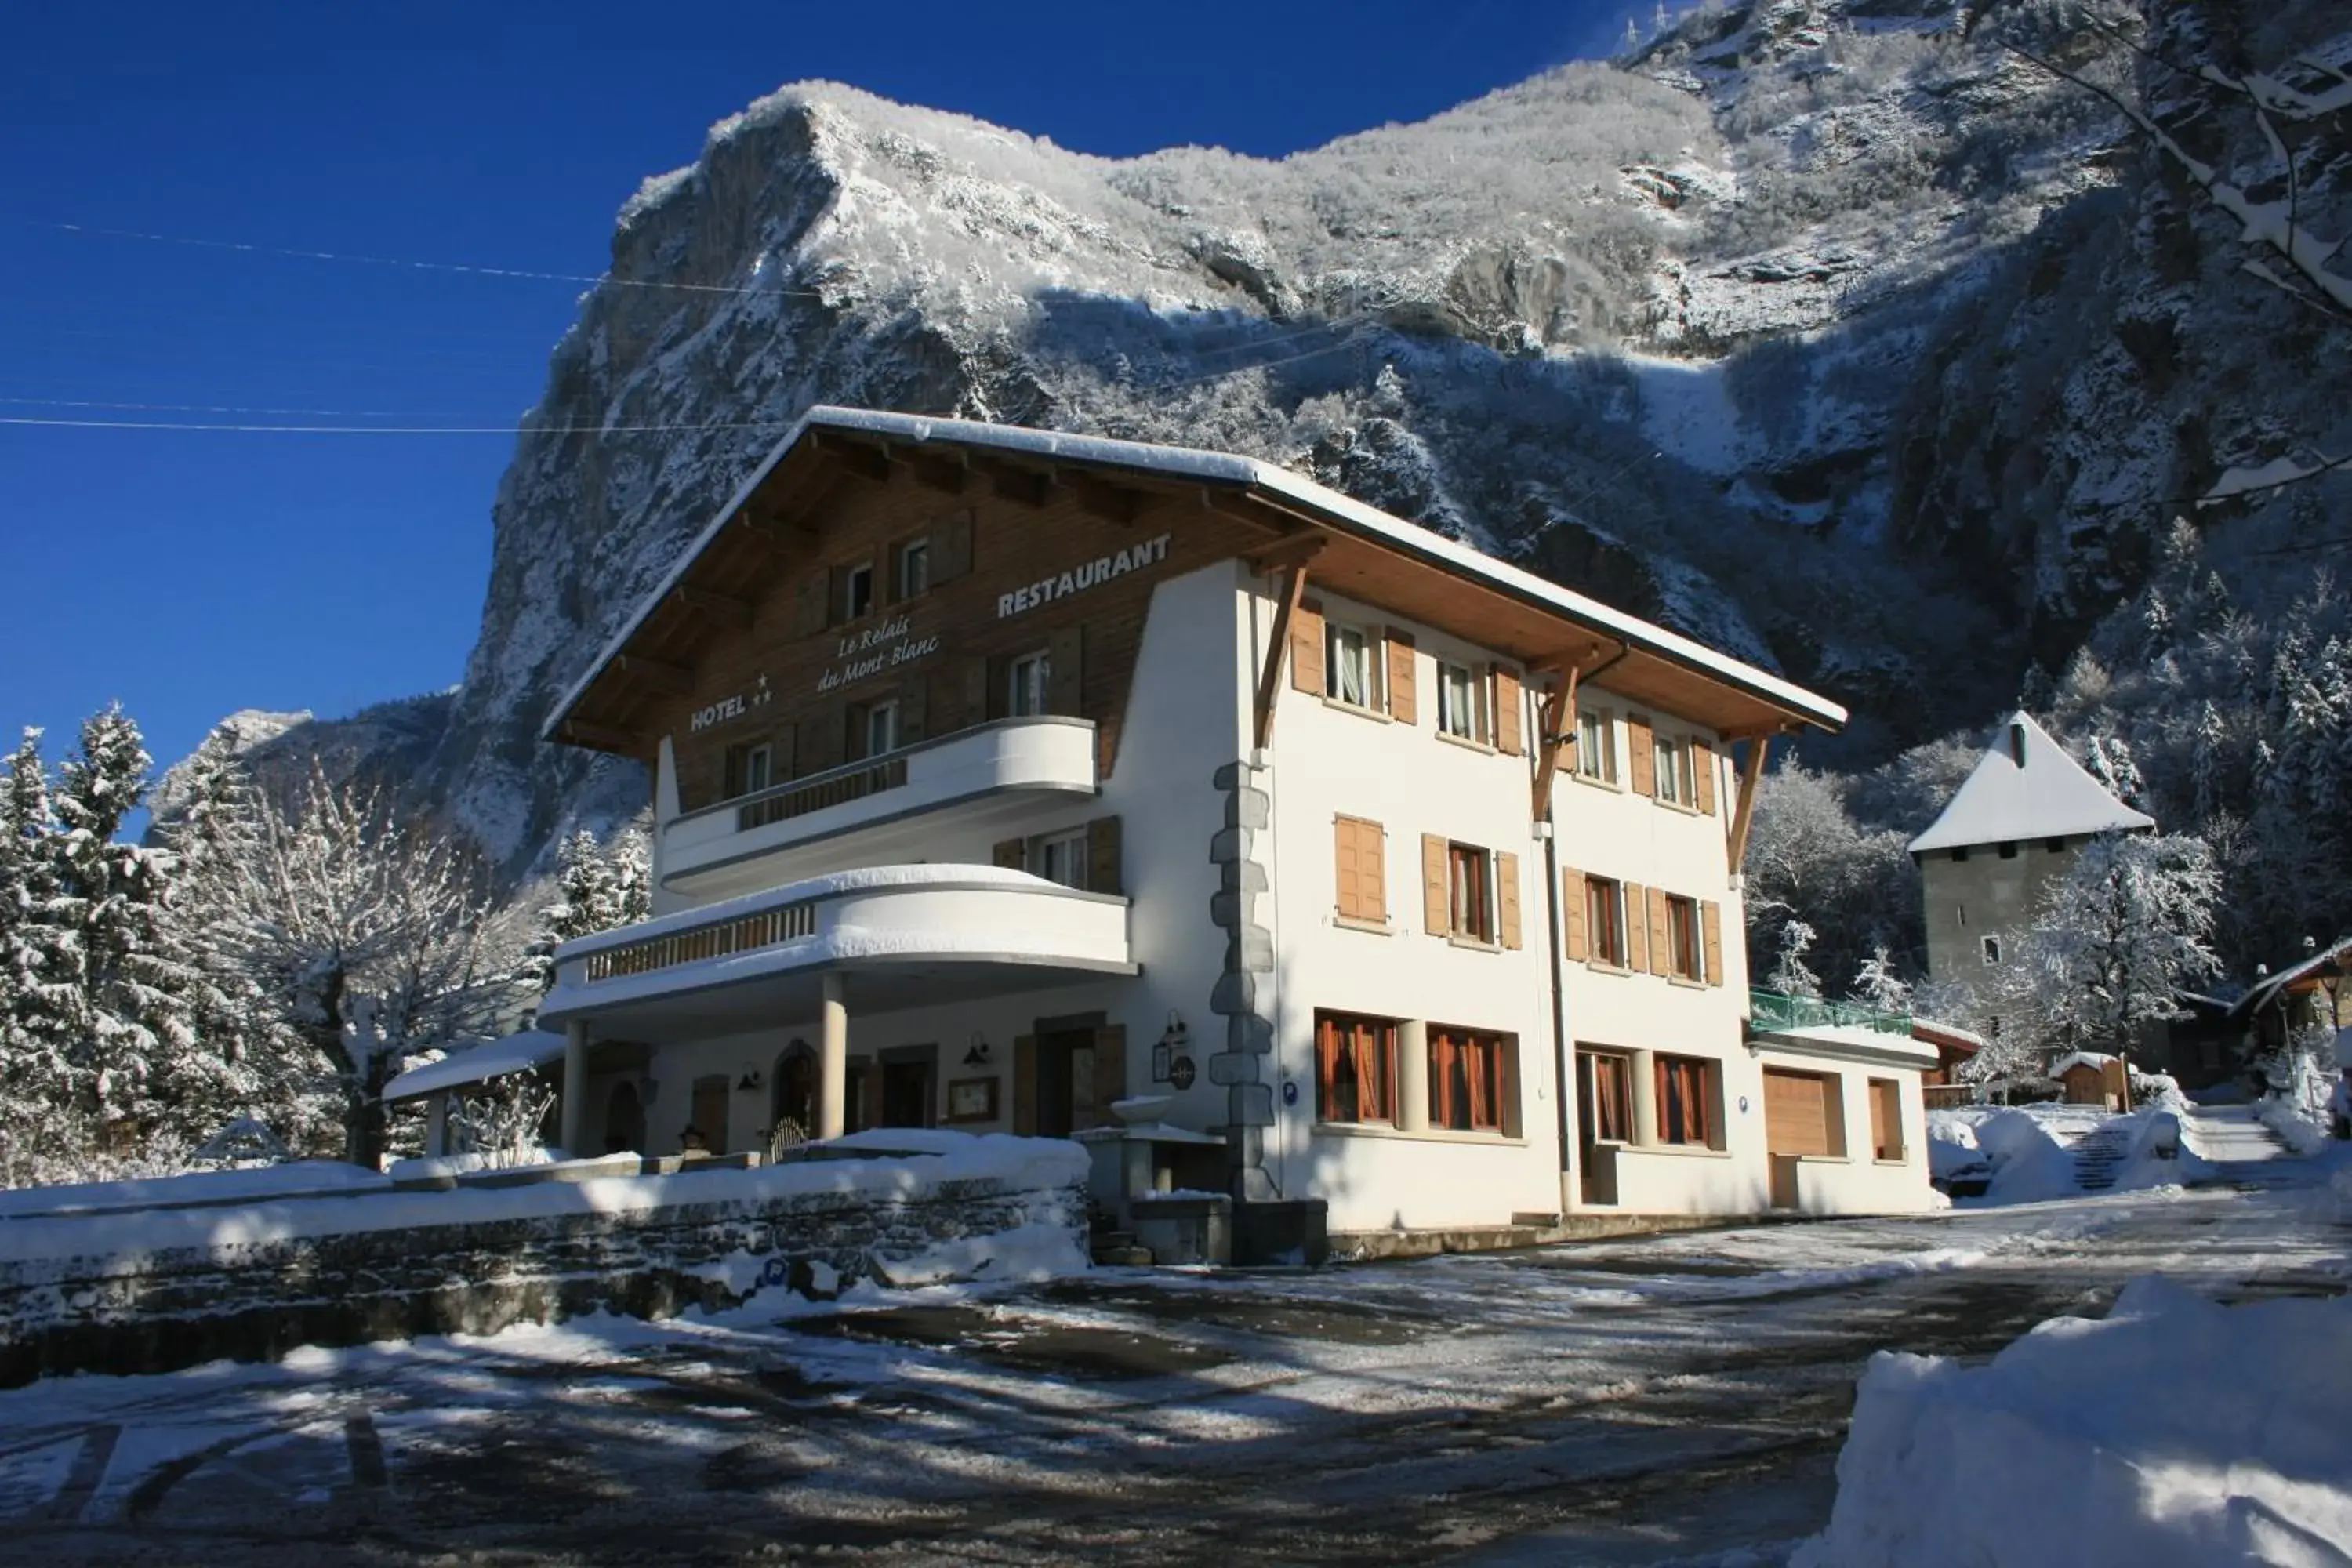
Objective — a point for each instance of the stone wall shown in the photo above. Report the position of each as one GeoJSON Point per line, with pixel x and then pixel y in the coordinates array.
{"type": "Point", "coordinates": [706, 1239]}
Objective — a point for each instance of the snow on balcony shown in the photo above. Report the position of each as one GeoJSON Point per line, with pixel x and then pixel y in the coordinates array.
{"type": "Point", "coordinates": [987, 772]}
{"type": "Point", "coordinates": [906, 935]}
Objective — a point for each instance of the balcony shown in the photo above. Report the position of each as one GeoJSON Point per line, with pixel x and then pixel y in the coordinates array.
{"type": "Point", "coordinates": [857, 814]}
{"type": "Point", "coordinates": [900, 936]}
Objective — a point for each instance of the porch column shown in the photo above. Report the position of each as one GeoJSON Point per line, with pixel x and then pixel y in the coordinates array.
{"type": "Point", "coordinates": [1646, 1100]}
{"type": "Point", "coordinates": [436, 1126]}
{"type": "Point", "coordinates": [832, 1059]}
{"type": "Point", "coordinates": [575, 1087]}
{"type": "Point", "coordinates": [1412, 1076]}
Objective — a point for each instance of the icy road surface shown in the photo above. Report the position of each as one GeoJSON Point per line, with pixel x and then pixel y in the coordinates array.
{"type": "Point", "coordinates": [1639, 1401]}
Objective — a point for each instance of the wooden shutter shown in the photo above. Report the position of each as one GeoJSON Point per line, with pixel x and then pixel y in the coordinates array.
{"type": "Point", "coordinates": [1436, 909]}
{"type": "Point", "coordinates": [1509, 726]}
{"type": "Point", "coordinates": [1662, 953]}
{"type": "Point", "coordinates": [1636, 957]}
{"type": "Point", "coordinates": [1359, 850]}
{"type": "Point", "coordinates": [1404, 694]}
{"type": "Point", "coordinates": [1066, 653]}
{"type": "Point", "coordinates": [1710, 920]}
{"type": "Point", "coordinates": [1571, 915]}
{"type": "Point", "coordinates": [1507, 895]}
{"type": "Point", "coordinates": [823, 741]}
{"type": "Point", "coordinates": [951, 547]}
{"type": "Point", "coordinates": [812, 601]}
{"type": "Point", "coordinates": [1642, 748]}
{"type": "Point", "coordinates": [1702, 761]}
{"type": "Point", "coordinates": [1306, 647]}
{"type": "Point", "coordinates": [1110, 1071]}
{"type": "Point", "coordinates": [914, 710]}
{"type": "Point", "coordinates": [1013, 854]}
{"type": "Point", "coordinates": [1103, 847]}
{"type": "Point", "coordinates": [1796, 1112]}
{"type": "Point", "coordinates": [974, 682]}
{"type": "Point", "coordinates": [1024, 1086]}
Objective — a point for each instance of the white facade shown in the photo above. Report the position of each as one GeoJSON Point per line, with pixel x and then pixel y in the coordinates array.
{"type": "Point", "coordinates": [1414, 1067]}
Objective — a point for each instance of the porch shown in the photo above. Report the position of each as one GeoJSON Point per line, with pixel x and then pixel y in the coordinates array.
{"type": "Point", "coordinates": [886, 940]}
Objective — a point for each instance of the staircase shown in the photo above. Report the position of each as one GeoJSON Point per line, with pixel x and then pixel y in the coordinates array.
{"type": "Point", "coordinates": [2243, 1151]}
{"type": "Point", "coordinates": [2099, 1153]}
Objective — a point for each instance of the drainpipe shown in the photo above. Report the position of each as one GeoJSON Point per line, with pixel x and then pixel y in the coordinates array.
{"type": "Point", "coordinates": [1564, 1048]}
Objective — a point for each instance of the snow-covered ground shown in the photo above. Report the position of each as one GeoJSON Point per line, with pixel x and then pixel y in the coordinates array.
{"type": "Point", "coordinates": [1675, 1399]}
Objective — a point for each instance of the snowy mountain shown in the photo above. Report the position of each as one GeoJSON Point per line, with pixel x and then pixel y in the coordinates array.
{"type": "Point", "coordinates": [1829, 331]}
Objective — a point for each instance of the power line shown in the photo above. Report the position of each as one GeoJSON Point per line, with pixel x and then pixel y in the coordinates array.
{"type": "Point", "coordinates": [389, 430]}
{"type": "Point", "coordinates": [224, 408]}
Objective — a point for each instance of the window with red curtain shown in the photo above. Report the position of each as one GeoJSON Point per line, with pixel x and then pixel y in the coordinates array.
{"type": "Point", "coordinates": [1469, 1076]}
{"type": "Point", "coordinates": [1609, 1116]}
{"type": "Point", "coordinates": [1685, 1101]}
{"type": "Point", "coordinates": [1355, 1068]}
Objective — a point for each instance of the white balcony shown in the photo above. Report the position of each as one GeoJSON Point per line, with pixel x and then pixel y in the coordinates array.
{"type": "Point", "coordinates": [858, 814]}
{"type": "Point", "coordinates": [895, 937]}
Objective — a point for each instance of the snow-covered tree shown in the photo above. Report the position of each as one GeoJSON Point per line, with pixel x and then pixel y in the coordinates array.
{"type": "Point", "coordinates": [599, 887]}
{"type": "Point", "coordinates": [2115, 937]}
{"type": "Point", "coordinates": [121, 987]}
{"type": "Point", "coordinates": [1810, 861]}
{"type": "Point", "coordinates": [503, 1121]}
{"type": "Point", "coordinates": [35, 1074]}
{"type": "Point", "coordinates": [372, 939]}
{"type": "Point", "coordinates": [1790, 975]}
{"type": "Point", "coordinates": [1879, 984]}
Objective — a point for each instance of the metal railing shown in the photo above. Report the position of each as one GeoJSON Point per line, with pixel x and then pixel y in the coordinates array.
{"type": "Point", "coordinates": [724, 938]}
{"type": "Point", "coordinates": [836, 787]}
{"type": "Point", "coordinates": [1771, 1010]}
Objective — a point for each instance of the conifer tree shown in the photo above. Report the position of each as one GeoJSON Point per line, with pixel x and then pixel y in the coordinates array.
{"type": "Point", "coordinates": [36, 1075]}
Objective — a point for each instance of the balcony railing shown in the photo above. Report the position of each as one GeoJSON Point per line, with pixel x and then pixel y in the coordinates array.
{"type": "Point", "coordinates": [838, 787]}
{"type": "Point", "coordinates": [745, 933]}
{"type": "Point", "coordinates": [1771, 1010]}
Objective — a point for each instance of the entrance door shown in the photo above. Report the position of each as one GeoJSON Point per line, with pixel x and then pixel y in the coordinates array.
{"type": "Point", "coordinates": [795, 1083]}
{"type": "Point", "coordinates": [711, 1111]}
{"type": "Point", "coordinates": [1065, 1079]}
{"type": "Point", "coordinates": [908, 1095]}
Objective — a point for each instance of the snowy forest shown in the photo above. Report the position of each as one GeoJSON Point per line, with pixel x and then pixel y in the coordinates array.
{"type": "Point", "coordinates": [247, 980]}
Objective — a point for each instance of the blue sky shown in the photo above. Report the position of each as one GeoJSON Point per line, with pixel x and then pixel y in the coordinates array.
{"type": "Point", "coordinates": [190, 572]}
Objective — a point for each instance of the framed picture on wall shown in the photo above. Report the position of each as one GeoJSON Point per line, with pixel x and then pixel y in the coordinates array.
{"type": "Point", "coordinates": [971, 1099]}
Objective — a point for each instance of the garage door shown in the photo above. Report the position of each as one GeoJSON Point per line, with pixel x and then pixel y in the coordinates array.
{"type": "Point", "coordinates": [1796, 1112]}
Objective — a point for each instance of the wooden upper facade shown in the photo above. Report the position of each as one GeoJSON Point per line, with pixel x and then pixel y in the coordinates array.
{"type": "Point", "coordinates": [879, 578]}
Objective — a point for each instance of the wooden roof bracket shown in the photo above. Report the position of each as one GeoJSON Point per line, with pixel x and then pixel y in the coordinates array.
{"type": "Point", "coordinates": [671, 680]}
{"type": "Point", "coordinates": [1743, 817]}
{"type": "Point", "coordinates": [606, 737]}
{"type": "Point", "coordinates": [1558, 720]}
{"type": "Point", "coordinates": [1277, 650]}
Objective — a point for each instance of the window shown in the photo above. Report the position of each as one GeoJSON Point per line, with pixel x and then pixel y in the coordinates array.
{"type": "Point", "coordinates": [1605, 921]}
{"type": "Point", "coordinates": [857, 592]}
{"type": "Point", "coordinates": [1609, 1098]}
{"type": "Point", "coordinates": [914, 567]}
{"type": "Point", "coordinates": [1470, 892]}
{"type": "Point", "coordinates": [1061, 858]}
{"type": "Point", "coordinates": [1361, 866]}
{"type": "Point", "coordinates": [749, 770]}
{"type": "Point", "coordinates": [874, 728]}
{"type": "Point", "coordinates": [2055, 846]}
{"type": "Point", "coordinates": [1596, 747]}
{"type": "Point", "coordinates": [1469, 1080]}
{"type": "Point", "coordinates": [1350, 665]}
{"type": "Point", "coordinates": [1993, 950]}
{"type": "Point", "coordinates": [1684, 956]}
{"type": "Point", "coordinates": [1961, 853]}
{"type": "Point", "coordinates": [1461, 704]}
{"type": "Point", "coordinates": [1355, 1068]}
{"type": "Point", "coordinates": [1885, 1119]}
{"type": "Point", "coordinates": [1687, 1114]}
{"type": "Point", "coordinates": [1673, 771]}
{"type": "Point", "coordinates": [1030, 684]}
{"type": "Point", "coordinates": [2008, 851]}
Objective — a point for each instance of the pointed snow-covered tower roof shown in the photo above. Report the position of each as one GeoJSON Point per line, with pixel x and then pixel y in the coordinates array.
{"type": "Point", "coordinates": [2027, 787]}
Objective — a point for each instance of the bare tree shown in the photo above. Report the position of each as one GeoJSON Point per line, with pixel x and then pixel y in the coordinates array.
{"type": "Point", "coordinates": [370, 938]}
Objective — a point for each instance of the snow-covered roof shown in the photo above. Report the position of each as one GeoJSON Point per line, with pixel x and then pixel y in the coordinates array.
{"type": "Point", "coordinates": [2261, 992]}
{"type": "Point", "coordinates": [1229, 469]}
{"type": "Point", "coordinates": [477, 1064]}
{"type": "Point", "coordinates": [1936, 1032]}
{"type": "Point", "coordinates": [2098, 1060]}
{"type": "Point", "coordinates": [1847, 1041]}
{"type": "Point", "coordinates": [2027, 787]}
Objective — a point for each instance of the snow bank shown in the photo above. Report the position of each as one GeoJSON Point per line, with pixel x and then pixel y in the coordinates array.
{"type": "Point", "coordinates": [127, 1237]}
{"type": "Point", "coordinates": [296, 1178]}
{"type": "Point", "coordinates": [2173, 1432]}
{"type": "Point", "coordinates": [2032, 1151]}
